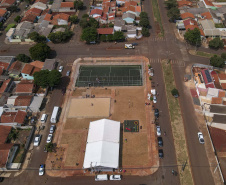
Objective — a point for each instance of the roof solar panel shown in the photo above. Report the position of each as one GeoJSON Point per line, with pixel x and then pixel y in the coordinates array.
{"type": "Point", "coordinates": [209, 79]}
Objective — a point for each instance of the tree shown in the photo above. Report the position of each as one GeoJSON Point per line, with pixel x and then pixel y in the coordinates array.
{"type": "Point", "coordinates": [54, 78]}
{"type": "Point", "coordinates": [73, 19]}
{"type": "Point", "coordinates": [143, 15]}
{"type": "Point", "coordinates": [39, 51]}
{"type": "Point", "coordinates": [103, 38]}
{"type": "Point", "coordinates": [217, 61]}
{"type": "Point", "coordinates": [89, 34]}
{"type": "Point", "coordinates": [49, 147]}
{"type": "Point", "coordinates": [17, 19]}
{"type": "Point", "coordinates": [41, 78]}
{"type": "Point", "coordinates": [59, 36]}
{"type": "Point", "coordinates": [110, 38]}
{"type": "Point", "coordinates": [37, 37]}
{"type": "Point", "coordinates": [93, 23]}
{"type": "Point", "coordinates": [171, 4]}
{"type": "Point", "coordinates": [14, 134]}
{"type": "Point", "coordinates": [173, 13]}
{"type": "Point", "coordinates": [110, 25]}
{"type": "Point", "coordinates": [216, 43]}
{"type": "Point", "coordinates": [78, 5]}
{"type": "Point", "coordinates": [12, 8]}
{"type": "Point", "coordinates": [145, 32]}
{"type": "Point", "coordinates": [144, 22]}
{"type": "Point", "coordinates": [84, 23]}
{"type": "Point", "coordinates": [193, 37]}
{"type": "Point", "coordinates": [119, 36]}
{"type": "Point", "coordinates": [223, 55]}
{"type": "Point", "coordinates": [23, 58]}
{"type": "Point", "coordinates": [85, 16]}
{"type": "Point", "coordinates": [175, 93]}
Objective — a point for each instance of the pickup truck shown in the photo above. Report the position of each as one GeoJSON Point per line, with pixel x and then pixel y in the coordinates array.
{"type": "Point", "coordinates": [129, 46]}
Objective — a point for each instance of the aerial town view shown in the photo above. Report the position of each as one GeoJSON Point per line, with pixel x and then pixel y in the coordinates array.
{"type": "Point", "coordinates": [129, 92]}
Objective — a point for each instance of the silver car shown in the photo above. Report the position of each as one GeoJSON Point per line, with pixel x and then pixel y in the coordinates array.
{"type": "Point", "coordinates": [158, 130]}
{"type": "Point", "coordinates": [52, 129]}
{"type": "Point", "coordinates": [49, 138]}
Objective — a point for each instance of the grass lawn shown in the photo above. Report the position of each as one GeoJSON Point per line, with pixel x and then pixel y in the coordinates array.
{"type": "Point", "coordinates": [177, 125]}
{"type": "Point", "coordinates": [204, 54]}
{"type": "Point", "coordinates": [19, 153]}
{"type": "Point", "coordinates": [157, 15]}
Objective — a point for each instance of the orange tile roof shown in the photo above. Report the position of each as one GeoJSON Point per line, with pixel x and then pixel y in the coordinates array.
{"type": "Point", "coordinates": [202, 32]}
{"type": "Point", "coordinates": [113, 4]}
{"type": "Point", "coordinates": [16, 66]}
{"type": "Point", "coordinates": [30, 18]}
{"type": "Point", "coordinates": [10, 2]}
{"type": "Point", "coordinates": [223, 85]}
{"type": "Point", "coordinates": [187, 15]}
{"type": "Point", "coordinates": [207, 15]}
{"type": "Point", "coordinates": [24, 88]}
{"type": "Point", "coordinates": [131, 8]}
{"type": "Point", "coordinates": [96, 11]}
{"type": "Point", "coordinates": [208, 3]}
{"type": "Point", "coordinates": [105, 31]}
{"type": "Point", "coordinates": [4, 132]}
{"type": "Point", "coordinates": [2, 11]}
{"type": "Point", "coordinates": [191, 27]}
{"type": "Point", "coordinates": [67, 4]}
{"type": "Point", "coordinates": [44, 12]}
{"type": "Point", "coordinates": [1, 71]}
{"type": "Point", "coordinates": [106, 9]}
{"type": "Point", "coordinates": [4, 85]}
{"type": "Point", "coordinates": [27, 69]}
{"type": "Point", "coordinates": [221, 94]}
{"type": "Point", "coordinates": [48, 17]}
{"type": "Point", "coordinates": [20, 117]}
{"type": "Point", "coordinates": [23, 101]}
{"type": "Point", "coordinates": [12, 117]}
{"type": "Point", "coordinates": [216, 100]}
{"type": "Point", "coordinates": [33, 11]}
{"type": "Point", "coordinates": [4, 150]}
{"type": "Point", "coordinates": [128, 3]}
{"type": "Point", "coordinates": [222, 76]}
{"type": "Point", "coordinates": [4, 65]}
{"type": "Point", "coordinates": [138, 8]}
{"type": "Point", "coordinates": [60, 16]}
{"type": "Point", "coordinates": [37, 64]}
{"type": "Point", "coordinates": [183, 3]}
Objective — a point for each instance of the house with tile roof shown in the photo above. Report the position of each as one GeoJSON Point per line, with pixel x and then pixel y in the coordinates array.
{"type": "Point", "coordinates": [25, 87]}
{"type": "Point", "coordinates": [187, 16]}
{"type": "Point", "coordinates": [14, 118]}
{"type": "Point", "coordinates": [7, 3]}
{"type": "Point", "coordinates": [183, 4]}
{"type": "Point", "coordinates": [207, 15]}
{"type": "Point", "coordinates": [128, 17]}
{"type": "Point", "coordinates": [60, 19]}
{"type": "Point", "coordinates": [3, 12]}
{"type": "Point", "coordinates": [29, 69]}
{"type": "Point", "coordinates": [39, 5]}
{"type": "Point", "coordinates": [7, 86]}
{"type": "Point", "coordinates": [207, 3]}
{"type": "Point", "coordinates": [96, 13]}
{"type": "Point", "coordinates": [20, 101]}
{"type": "Point", "coordinates": [105, 31]}
{"type": "Point", "coordinates": [15, 69]}
{"type": "Point", "coordinates": [4, 133]}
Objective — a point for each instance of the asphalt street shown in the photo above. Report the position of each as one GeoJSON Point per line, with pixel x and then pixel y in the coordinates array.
{"type": "Point", "coordinates": [155, 49]}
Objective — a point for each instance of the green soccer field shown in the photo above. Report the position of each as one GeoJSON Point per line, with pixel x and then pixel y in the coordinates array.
{"type": "Point", "coordinates": [112, 75]}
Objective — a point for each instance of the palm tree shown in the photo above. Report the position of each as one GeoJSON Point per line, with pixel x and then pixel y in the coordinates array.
{"type": "Point", "coordinates": [14, 134]}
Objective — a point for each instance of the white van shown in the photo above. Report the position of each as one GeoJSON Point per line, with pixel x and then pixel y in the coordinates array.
{"type": "Point", "coordinates": [101, 177]}
{"type": "Point", "coordinates": [43, 118]}
{"type": "Point", "coordinates": [55, 114]}
{"type": "Point", "coordinates": [115, 177]}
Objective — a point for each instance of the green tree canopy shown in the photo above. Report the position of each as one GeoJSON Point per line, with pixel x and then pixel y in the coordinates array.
{"type": "Point", "coordinates": [85, 16]}
{"type": "Point", "coordinates": [119, 36]}
{"type": "Point", "coordinates": [54, 78]}
{"type": "Point", "coordinates": [89, 34]}
{"type": "Point", "coordinates": [175, 92]}
{"type": "Point", "coordinates": [193, 37]}
{"type": "Point", "coordinates": [74, 19]}
{"type": "Point", "coordinates": [89, 22]}
{"type": "Point", "coordinates": [59, 36]}
{"type": "Point", "coordinates": [217, 61]}
{"type": "Point", "coordinates": [110, 38]}
{"type": "Point", "coordinates": [143, 15]}
{"type": "Point", "coordinates": [145, 32]}
{"type": "Point", "coordinates": [93, 23]}
{"type": "Point", "coordinates": [223, 55]}
{"type": "Point", "coordinates": [171, 4]}
{"type": "Point", "coordinates": [144, 22]}
{"type": "Point", "coordinates": [37, 37]}
{"type": "Point", "coordinates": [40, 51]}
{"type": "Point", "coordinates": [78, 5]}
{"type": "Point", "coordinates": [216, 43]}
{"type": "Point", "coordinates": [173, 13]}
{"type": "Point", "coordinates": [10, 26]}
{"type": "Point", "coordinates": [17, 19]}
{"type": "Point", "coordinates": [23, 58]}
{"type": "Point", "coordinates": [103, 38]}
{"type": "Point", "coordinates": [110, 25]}
{"type": "Point", "coordinates": [49, 147]}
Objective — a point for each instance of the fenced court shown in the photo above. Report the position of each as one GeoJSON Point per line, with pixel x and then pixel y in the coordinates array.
{"type": "Point", "coordinates": [111, 75]}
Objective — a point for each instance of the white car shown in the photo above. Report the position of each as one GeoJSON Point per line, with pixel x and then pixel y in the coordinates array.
{"type": "Point", "coordinates": [52, 129]}
{"type": "Point", "coordinates": [37, 140]}
{"type": "Point", "coordinates": [68, 73]}
{"type": "Point", "coordinates": [151, 72]}
{"type": "Point", "coordinates": [61, 69]}
{"type": "Point", "coordinates": [154, 99]}
{"type": "Point", "coordinates": [49, 138]}
{"type": "Point", "coordinates": [115, 177]}
{"type": "Point", "coordinates": [201, 139]}
{"type": "Point", "coordinates": [153, 92]}
{"type": "Point", "coordinates": [158, 130]}
{"type": "Point", "coordinates": [41, 170]}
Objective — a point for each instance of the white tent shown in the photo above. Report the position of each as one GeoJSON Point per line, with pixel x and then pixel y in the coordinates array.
{"type": "Point", "coordinates": [102, 148]}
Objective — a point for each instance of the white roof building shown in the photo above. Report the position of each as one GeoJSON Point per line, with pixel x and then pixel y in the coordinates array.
{"type": "Point", "coordinates": [102, 148]}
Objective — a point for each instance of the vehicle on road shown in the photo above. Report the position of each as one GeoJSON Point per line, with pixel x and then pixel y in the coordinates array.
{"type": "Point", "coordinates": [151, 72]}
{"type": "Point", "coordinates": [158, 130]}
{"type": "Point", "coordinates": [153, 92]}
{"type": "Point", "coordinates": [129, 46]}
{"type": "Point", "coordinates": [161, 155]}
{"type": "Point", "coordinates": [135, 44]}
{"type": "Point", "coordinates": [156, 113]}
{"type": "Point", "coordinates": [55, 114]}
{"type": "Point", "coordinates": [115, 177]}
{"type": "Point", "coordinates": [154, 99]}
{"type": "Point", "coordinates": [201, 138]}
{"type": "Point", "coordinates": [43, 118]}
{"type": "Point", "coordinates": [61, 69]}
{"type": "Point", "coordinates": [68, 73]}
{"type": "Point", "coordinates": [103, 177]}
{"type": "Point", "coordinates": [37, 140]}
{"type": "Point", "coordinates": [160, 142]}
{"type": "Point", "coordinates": [52, 129]}
{"type": "Point", "coordinates": [49, 138]}
{"type": "Point", "coordinates": [41, 170]}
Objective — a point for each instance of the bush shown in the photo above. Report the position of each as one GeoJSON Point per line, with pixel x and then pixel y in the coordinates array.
{"type": "Point", "coordinates": [73, 19]}
{"type": "Point", "coordinates": [223, 55]}
{"type": "Point", "coordinates": [17, 19]}
{"type": "Point", "coordinates": [10, 26]}
{"type": "Point", "coordinates": [145, 32]}
{"type": "Point", "coordinates": [60, 37]}
{"type": "Point", "coordinates": [150, 78]}
{"type": "Point", "coordinates": [216, 43]}
{"type": "Point", "coordinates": [175, 92]}
{"type": "Point", "coordinates": [217, 61]}
{"type": "Point", "coordinates": [23, 58]}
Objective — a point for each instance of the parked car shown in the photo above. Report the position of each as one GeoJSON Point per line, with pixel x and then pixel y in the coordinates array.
{"type": "Point", "coordinates": [45, 149]}
{"type": "Point", "coordinates": [161, 155]}
{"type": "Point", "coordinates": [201, 139]}
{"type": "Point", "coordinates": [158, 130]}
{"type": "Point", "coordinates": [156, 113]}
{"type": "Point", "coordinates": [52, 129]}
{"type": "Point", "coordinates": [37, 140]}
{"type": "Point", "coordinates": [68, 73]}
{"type": "Point", "coordinates": [129, 46]}
{"type": "Point", "coordinates": [153, 92]}
{"type": "Point", "coordinates": [41, 169]}
{"type": "Point", "coordinates": [135, 44]}
{"type": "Point", "coordinates": [115, 177]}
{"type": "Point", "coordinates": [160, 142]}
{"type": "Point", "coordinates": [154, 99]}
{"type": "Point", "coordinates": [49, 138]}
{"type": "Point", "coordinates": [61, 69]}
{"type": "Point", "coordinates": [151, 72]}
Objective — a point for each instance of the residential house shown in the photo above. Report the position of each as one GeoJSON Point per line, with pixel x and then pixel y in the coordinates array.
{"type": "Point", "coordinates": [4, 133]}
{"type": "Point", "coordinates": [21, 101]}
{"type": "Point", "coordinates": [67, 5]}
{"type": "Point", "coordinates": [56, 5]}
{"type": "Point", "coordinates": [119, 25]}
{"type": "Point", "coordinates": [7, 86]}
{"type": "Point", "coordinates": [184, 4]}
{"type": "Point", "coordinates": [187, 15]}
{"type": "Point", "coordinates": [207, 3]}
{"type": "Point", "coordinates": [103, 18]}
{"type": "Point", "coordinates": [24, 87]}
{"type": "Point", "coordinates": [39, 5]}
{"type": "Point", "coordinates": [14, 118]}
{"type": "Point", "coordinates": [60, 19]}
{"type": "Point", "coordinates": [206, 15]}
{"type": "Point", "coordinates": [222, 80]}
{"type": "Point", "coordinates": [96, 13]}
{"type": "Point", "coordinates": [105, 31]}
{"type": "Point", "coordinates": [209, 29]}
{"type": "Point", "coordinates": [31, 15]}
{"type": "Point", "coordinates": [7, 3]}
{"type": "Point", "coordinates": [49, 64]}
{"type": "Point", "coordinates": [6, 62]}
{"type": "Point", "coordinates": [128, 18]}
{"type": "Point", "coordinates": [44, 27]}
{"type": "Point", "coordinates": [15, 69]}
{"type": "Point", "coordinates": [3, 12]}
{"type": "Point", "coordinates": [30, 69]}
{"type": "Point", "coordinates": [111, 17]}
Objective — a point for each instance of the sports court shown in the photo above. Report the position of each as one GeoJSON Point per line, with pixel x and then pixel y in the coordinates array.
{"type": "Point", "coordinates": [109, 75]}
{"type": "Point", "coordinates": [89, 107]}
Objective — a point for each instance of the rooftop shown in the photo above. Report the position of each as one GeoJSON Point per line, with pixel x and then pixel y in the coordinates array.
{"type": "Point", "coordinates": [23, 100]}
{"type": "Point", "coordinates": [23, 87]}
{"type": "Point", "coordinates": [105, 31]}
{"type": "Point", "coordinates": [4, 133]}
{"type": "Point", "coordinates": [4, 150]}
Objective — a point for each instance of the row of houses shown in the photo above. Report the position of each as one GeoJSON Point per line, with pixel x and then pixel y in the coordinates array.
{"type": "Point", "coordinates": [205, 16]}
